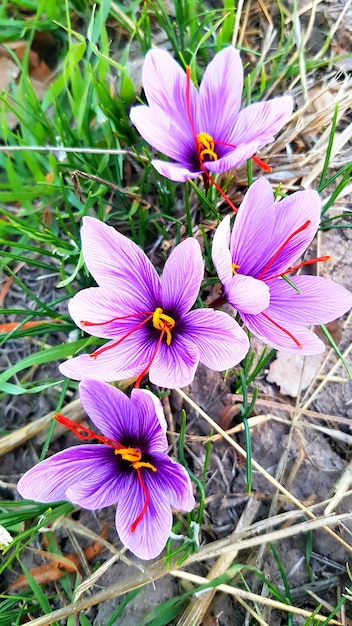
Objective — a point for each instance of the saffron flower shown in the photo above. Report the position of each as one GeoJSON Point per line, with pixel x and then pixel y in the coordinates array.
{"type": "Point", "coordinates": [129, 467]}
{"type": "Point", "coordinates": [266, 241]}
{"type": "Point", "coordinates": [148, 319]}
{"type": "Point", "coordinates": [203, 131]}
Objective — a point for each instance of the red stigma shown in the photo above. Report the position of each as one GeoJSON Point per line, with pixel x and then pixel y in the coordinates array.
{"type": "Point", "coordinates": [146, 502]}
{"type": "Point", "coordinates": [319, 259]}
{"type": "Point", "coordinates": [282, 247]}
{"type": "Point", "coordinates": [84, 433]}
{"type": "Point", "coordinates": [116, 343]}
{"type": "Point", "coordinates": [284, 330]}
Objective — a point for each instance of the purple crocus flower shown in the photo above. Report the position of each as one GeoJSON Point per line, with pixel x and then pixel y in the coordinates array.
{"type": "Point", "coordinates": [203, 131]}
{"type": "Point", "coordinates": [148, 319]}
{"type": "Point", "coordinates": [129, 467]}
{"type": "Point", "coordinates": [266, 240]}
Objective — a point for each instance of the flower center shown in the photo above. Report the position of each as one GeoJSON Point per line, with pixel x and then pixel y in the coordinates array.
{"type": "Point", "coordinates": [132, 455]}
{"type": "Point", "coordinates": [164, 323]}
{"type": "Point", "coordinates": [206, 147]}
{"type": "Point", "coordinates": [235, 267]}
{"type": "Point", "coordinates": [160, 321]}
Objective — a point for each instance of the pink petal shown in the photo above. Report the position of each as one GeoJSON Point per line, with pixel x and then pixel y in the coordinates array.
{"type": "Point", "coordinates": [164, 83]}
{"type": "Point", "coordinates": [261, 121]}
{"type": "Point", "coordinates": [321, 300]}
{"type": "Point", "coordinates": [139, 419]}
{"type": "Point", "coordinates": [175, 171]}
{"type": "Point", "coordinates": [253, 228]}
{"type": "Point", "coordinates": [127, 359]}
{"type": "Point", "coordinates": [149, 420]}
{"type": "Point", "coordinates": [220, 94]}
{"type": "Point", "coordinates": [116, 262]}
{"type": "Point", "coordinates": [182, 275]}
{"type": "Point", "coordinates": [292, 213]}
{"type": "Point", "coordinates": [175, 365]}
{"type": "Point", "coordinates": [107, 313]}
{"type": "Point", "coordinates": [247, 294]}
{"type": "Point", "coordinates": [153, 531]}
{"type": "Point", "coordinates": [168, 486]}
{"type": "Point", "coordinates": [50, 480]}
{"type": "Point", "coordinates": [234, 158]}
{"type": "Point", "coordinates": [275, 338]}
{"type": "Point", "coordinates": [221, 341]}
{"type": "Point", "coordinates": [160, 131]}
{"type": "Point", "coordinates": [221, 253]}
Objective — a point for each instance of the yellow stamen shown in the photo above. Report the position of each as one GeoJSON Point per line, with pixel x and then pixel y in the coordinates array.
{"type": "Point", "coordinates": [140, 464]}
{"type": "Point", "coordinates": [235, 267]}
{"type": "Point", "coordinates": [129, 454]}
{"type": "Point", "coordinates": [163, 322]}
{"type": "Point", "coordinates": [206, 147]}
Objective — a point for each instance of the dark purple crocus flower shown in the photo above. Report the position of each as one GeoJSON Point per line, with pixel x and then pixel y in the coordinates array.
{"type": "Point", "coordinates": [266, 240]}
{"type": "Point", "coordinates": [203, 131]}
{"type": "Point", "coordinates": [148, 318]}
{"type": "Point", "coordinates": [129, 467]}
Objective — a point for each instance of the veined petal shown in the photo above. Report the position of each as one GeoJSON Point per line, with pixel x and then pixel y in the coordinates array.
{"type": "Point", "coordinates": [247, 294]}
{"type": "Point", "coordinates": [321, 300]}
{"type": "Point", "coordinates": [175, 365]}
{"type": "Point", "coordinates": [99, 490]}
{"type": "Point", "coordinates": [220, 94]}
{"type": "Point", "coordinates": [153, 531]}
{"type": "Point", "coordinates": [261, 121]}
{"type": "Point", "coordinates": [221, 252]}
{"type": "Point", "coordinates": [182, 275]}
{"type": "Point", "coordinates": [221, 341]}
{"type": "Point", "coordinates": [270, 334]}
{"type": "Point", "coordinates": [127, 359]}
{"type": "Point", "coordinates": [171, 480]}
{"type": "Point", "coordinates": [107, 313]}
{"type": "Point", "coordinates": [164, 83]}
{"type": "Point", "coordinates": [253, 228]}
{"type": "Point", "coordinates": [110, 410]}
{"type": "Point", "coordinates": [160, 131]}
{"type": "Point", "coordinates": [290, 214]}
{"type": "Point", "coordinates": [234, 158]}
{"type": "Point", "coordinates": [178, 172]}
{"type": "Point", "coordinates": [50, 479]}
{"type": "Point", "coordinates": [149, 421]}
{"type": "Point", "coordinates": [116, 262]}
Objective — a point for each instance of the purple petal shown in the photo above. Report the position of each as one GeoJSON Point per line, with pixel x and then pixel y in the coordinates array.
{"type": "Point", "coordinates": [153, 531]}
{"type": "Point", "coordinates": [221, 341]}
{"type": "Point", "coordinates": [238, 155]}
{"type": "Point", "coordinates": [172, 481]}
{"type": "Point", "coordinates": [177, 172]}
{"type": "Point", "coordinates": [160, 131]}
{"type": "Point", "coordinates": [107, 313]}
{"type": "Point", "coordinates": [253, 228]}
{"type": "Point", "coordinates": [117, 263]}
{"type": "Point", "coordinates": [168, 486]}
{"type": "Point", "coordinates": [220, 94]}
{"type": "Point", "coordinates": [221, 253]}
{"type": "Point", "coordinates": [182, 276]}
{"type": "Point", "coordinates": [149, 421]}
{"type": "Point", "coordinates": [292, 213]}
{"type": "Point", "coordinates": [247, 294]}
{"type": "Point", "coordinates": [115, 415]}
{"type": "Point", "coordinates": [175, 365]}
{"type": "Point", "coordinates": [164, 83]}
{"type": "Point", "coordinates": [270, 334]}
{"type": "Point", "coordinates": [321, 300]}
{"type": "Point", "coordinates": [120, 362]}
{"type": "Point", "coordinates": [91, 464]}
{"type": "Point", "coordinates": [261, 121]}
